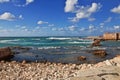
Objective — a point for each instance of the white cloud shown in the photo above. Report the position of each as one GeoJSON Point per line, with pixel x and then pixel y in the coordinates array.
{"type": "Point", "coordinates": [116, 10]}
{"type": "Point", "coordinates": [20, 17]}
{"type": "Point", "coordinates": [108, 20]}
{"type": "Point", "coordinates": [82, 29]}
{"type": "Point", "coordinates": [70, 5]}
{"type": "Point", "coordinates": [7, 16]}
{"type": "Point", "coordinates": [3, 1]}
{"type": "Point", "coordinates": [91, 27]}
{"type": "Point", "coordinates": [102, 24]}
{"type": "Point", "coordinates": [29, 1]}
{"type": "Point", "coordinates": [51, 25]}
{"type": "Point", "coordinates": [116, 27]}
{"type": "Point", "coordinates": [85, 12]}
{"type": "Point", "coordinates": [71, 28]}
{"type": "Point", "coordinates": [54, 29]}
{"type": "Point", "coordinates": [91, 19]}
{"type": "Point", "coordinates": [42, 22]}
{"type": "Point", "coordinates": [23, 27]}
{"type": "Point", "coordinates": [93, 8]}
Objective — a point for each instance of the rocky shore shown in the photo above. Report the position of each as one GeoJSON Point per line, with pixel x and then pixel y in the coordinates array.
{"type": "Point", "coordinates": [106, 70]}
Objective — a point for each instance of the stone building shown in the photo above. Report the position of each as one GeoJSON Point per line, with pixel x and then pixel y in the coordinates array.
{"type": "Point", "coordinates": [111, 36]}
{"type": "Point", "coordinates": [118, 36]}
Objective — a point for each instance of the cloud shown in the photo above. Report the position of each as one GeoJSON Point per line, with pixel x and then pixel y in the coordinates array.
{"type": "Point", "coordinates": [91, 27]}
{"type": "Point", "coordinates": [82, 12]}
{"type": "Point", "coordinates": [20, 17]}
{"type": "Point", "coordinates": [116, 27]}
{"type": "Point", "coordinates": [108, 20]}
{"type": "Point", "coordinates": [116, 10]}
{"type": "Point", "coordinates": [29, 1]}
{"type": "Point", "coordinates": [82, 29]}
{"type": "Point", "coordinates": [72, 28]}
{"type": "Point", "coordinates": [7, 16]}
{"type": "Point", "coordinates": [42, 22]}
{"type": "Point", "coordinates": [4, 1]}
{"type": "Point", "coordinates": [70, 5]}
{"type": "Point", "coordinates": [91, 19]}
{"type": "Point", "coordinates": [51, 25]}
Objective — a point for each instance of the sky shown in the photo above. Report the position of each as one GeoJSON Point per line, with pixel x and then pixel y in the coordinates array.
{"type": "Point", "coordinates": [59, 17]}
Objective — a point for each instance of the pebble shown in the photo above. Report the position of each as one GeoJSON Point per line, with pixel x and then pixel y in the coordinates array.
{"type": "Point", "coordinates": [51, 71]}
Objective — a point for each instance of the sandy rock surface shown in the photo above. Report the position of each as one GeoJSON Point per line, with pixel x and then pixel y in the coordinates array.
{"type": "Point", "coordinates": [106, 70]}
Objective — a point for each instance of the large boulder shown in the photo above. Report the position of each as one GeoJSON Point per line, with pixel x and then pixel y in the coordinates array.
{"type": "Point", "coordinates": [100, 53]}
{"type": "Point", "coordinates": [96, 42]}
{"type": "Point", "coordinates": [5, 53]}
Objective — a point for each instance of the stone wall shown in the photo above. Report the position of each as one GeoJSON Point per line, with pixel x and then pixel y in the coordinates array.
{"type": "Point", "coordinates": [118, 36]}
{"type": "Point", "coordinates": [110, 36]}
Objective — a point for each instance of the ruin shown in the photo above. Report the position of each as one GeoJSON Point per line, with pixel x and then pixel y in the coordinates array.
{"type": "Point", "coordinates": [111, 36]}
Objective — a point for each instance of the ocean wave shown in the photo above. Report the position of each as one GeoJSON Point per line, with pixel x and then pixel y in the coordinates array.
{"type": "Point", "coordinates": [57, 38]}
{"type": "Point", "coordinates": [50, 47]}
{"type": "Point", "coordinates": [36, 39]}
{"type": "Point", "coordinates": [76, 42]}
{"type": "Point", "coordinates": [7, 41]}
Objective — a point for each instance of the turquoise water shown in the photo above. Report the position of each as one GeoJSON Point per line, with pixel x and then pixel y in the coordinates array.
{"type": "Point", "coordinates": [44, 41]}
{"type": "Point", "coordinates": [59, 49]}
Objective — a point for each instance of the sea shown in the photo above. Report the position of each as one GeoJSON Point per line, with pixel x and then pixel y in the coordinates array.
{"type": "Point", "coordinates": [59, 49]}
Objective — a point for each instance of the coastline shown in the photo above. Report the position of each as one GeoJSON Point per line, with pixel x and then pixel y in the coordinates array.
{"type": "Point", "coordinates": [52, 70]}
{"type": "Point", "coordinates": [57, 71]}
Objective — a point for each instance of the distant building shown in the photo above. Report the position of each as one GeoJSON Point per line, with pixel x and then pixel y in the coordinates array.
{"type": "Point", "coordinates": [118, 36]}
{"type": "Point", "coordinates": [111, 36]}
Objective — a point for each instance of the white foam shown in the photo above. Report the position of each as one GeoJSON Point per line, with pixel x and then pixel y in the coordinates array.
{"type": "Point", "coordinates": [56, 38]}
{"type": "Point", "coordinates": [76, 42]}
{"type": "Point", "coordinates": [7, 41]}
{"type": "Point", "coordinates": [51, 47]}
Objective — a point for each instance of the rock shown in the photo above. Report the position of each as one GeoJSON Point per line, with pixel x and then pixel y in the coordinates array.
{"type": "Point", "coordinates": [81, 58]}
{"type": "Point", "coordinates": [24, 61]}
{"type": "Point", "coordinates": [108, 63]}
{"type": "Point", "coordinates": [96, 42]}
{"type": "Point", "coordinates": [100, 53]}
{"type": "Point", "coordinates": [87, 78]}
{"type": "Point", "coordinates": [5, 53]}
{"type": "Point", "coordinates": [118, 55]}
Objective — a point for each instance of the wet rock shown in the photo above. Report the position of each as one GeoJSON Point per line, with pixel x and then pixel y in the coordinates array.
{"type": "Point", "coordinates": [81, 58]}
{"type": "Point", "coordinates": [24, 61]}
{"type": "Point", "coordinates": [118, 55]}
{"type": "Point", "coordinates": [100, 53]}
{"type": "Point", "coordinates": [21, 48]}
{"type": "Point", "coordinates": [5, 53]}
{"type": "Point", "coordinates": [96, 42]}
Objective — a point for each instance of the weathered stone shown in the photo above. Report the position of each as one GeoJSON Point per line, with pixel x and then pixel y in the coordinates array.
{"type": "Point", "coordinates": [24, 61]}
{"type": "Point", "coordinates": [81, 58]}
{"type": "Point", "coordinates": [108, 63]}
{"type": "Point", "coordinates": [101, 53]}
{"type": "Point", "coordinates": [5, 53]}
{"type": "Point", "coordinates": [87, 78]}
{"type": "Point", "coordinates": [96, 42]}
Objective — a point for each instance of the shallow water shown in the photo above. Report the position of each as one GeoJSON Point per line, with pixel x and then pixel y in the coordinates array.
{"type": "Point", "coordinates": [59, 49]}
{"type": "Point", "coordinates": [66, 54]}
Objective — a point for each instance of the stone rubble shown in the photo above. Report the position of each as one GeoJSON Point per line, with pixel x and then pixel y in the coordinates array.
{"type": "Point", "coordinates": [106, 70]}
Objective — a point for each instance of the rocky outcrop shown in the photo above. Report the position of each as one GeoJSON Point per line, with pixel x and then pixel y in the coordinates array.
{"type": "Point", "coordinates": [100, 53]}
{"type": "Point", "coordinates": [81, 58]}
{"type": "Point", "coordinates": [96, 42]}
{"type": "Point", "coordinates": [5, 53]}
